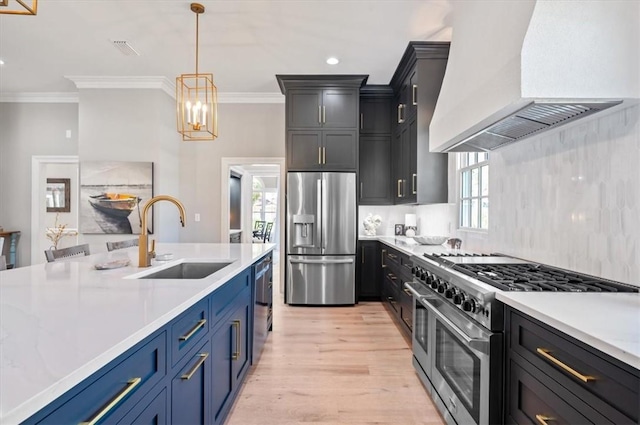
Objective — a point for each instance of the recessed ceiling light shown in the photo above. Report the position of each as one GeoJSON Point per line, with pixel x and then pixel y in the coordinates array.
{"type": "Point", "coordinates": [1, 62]}
{"type": "Point", "coordinates": [333, 61]}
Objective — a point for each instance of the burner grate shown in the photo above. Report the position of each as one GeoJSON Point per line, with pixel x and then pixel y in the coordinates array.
{"type": "Point", "coordinates": [537, 277]}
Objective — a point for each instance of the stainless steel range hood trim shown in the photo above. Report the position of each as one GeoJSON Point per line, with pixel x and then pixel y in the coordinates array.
{"type": "Point", "coordinates": [531, 119]}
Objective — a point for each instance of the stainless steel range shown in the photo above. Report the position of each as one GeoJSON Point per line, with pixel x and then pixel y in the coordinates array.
{"type": "Point", "coordinates": [458, 325]}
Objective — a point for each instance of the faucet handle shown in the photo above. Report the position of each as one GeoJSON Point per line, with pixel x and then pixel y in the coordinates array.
{"type": "Point", "coordinates": [152, 253]}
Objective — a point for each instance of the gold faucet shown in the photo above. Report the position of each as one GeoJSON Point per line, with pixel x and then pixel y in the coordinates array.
{"type": "Point", "coordinates": [144, 255]}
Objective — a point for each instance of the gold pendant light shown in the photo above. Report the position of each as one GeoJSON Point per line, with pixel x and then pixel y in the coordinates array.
{"type": "Point", "coordinates": [197, 99]}
{"type": "Point", "coordinates": [18, 7]}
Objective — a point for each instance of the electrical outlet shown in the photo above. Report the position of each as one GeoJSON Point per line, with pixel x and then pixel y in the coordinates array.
{"type": "Point", "coordinates": [197, 217]}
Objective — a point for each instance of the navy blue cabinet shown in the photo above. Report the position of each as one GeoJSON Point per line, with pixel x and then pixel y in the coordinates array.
{"type": "Point", "coordinates": [191, 389]}
{"type": "Point", "coordinates": [230, 345]}
{"type": "Point", "coordinates": [151, 410]}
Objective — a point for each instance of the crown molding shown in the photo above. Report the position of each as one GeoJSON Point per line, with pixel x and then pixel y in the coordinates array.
{"type": "Point", "coordinates": [93, 82]}
{"type": "Point", "coordinates": [45, 97]}
{"type": "Point", "coordinates": [162, 83]}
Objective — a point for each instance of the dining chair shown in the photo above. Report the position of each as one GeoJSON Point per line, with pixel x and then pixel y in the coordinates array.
{"type": "Point", "coordinates": [122, 244]}
{"type": "Point", "coordinates": [3, 263]}
{"type": "Point", "coordinates": [58, 254]}
{"type": "Point", "coordinates": [267, 232]}
{"type": "Point", "coordinates": [258, 229]}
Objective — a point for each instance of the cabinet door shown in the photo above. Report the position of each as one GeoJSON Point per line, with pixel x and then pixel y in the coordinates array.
{"type": "Point", "coordinates": [304, 150]}
{"type": "Point", "coordinates": [304, 108]}
{"type": "Point", "coordinates": [368, 271]}
{"type": "Point", "coordinates": [401, 154]}
{"type": "Point", "coordinates": [375, 116]}
{"type": "Point", "coordinates": [410, 155]}
{"type": "Point", "coordinates": [191, 389]}
{"type": "Point", "coordinates": [340, 150]}
{"type": "Point", "coordinates": [230, 358]}
{"type": "Point", "coordinates": [375, 171]}
{"type": "Point", "coordinates": [411, 87]}
{"type": "Point", "coordinates": [340, 108]}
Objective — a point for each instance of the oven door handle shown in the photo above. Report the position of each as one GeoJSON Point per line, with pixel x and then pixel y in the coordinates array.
{"type": "Point", "coordinates": [415, 293]}
{"type": "Point", "coordinates": [478, 344]}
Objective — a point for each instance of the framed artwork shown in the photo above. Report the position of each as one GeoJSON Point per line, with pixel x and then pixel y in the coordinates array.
{"type": "Point", "coordinates": [112, 196]}
{"type": "Point", "coordinates": [399, 229]}
{"type": "Point", "coordinates": [58, 195]}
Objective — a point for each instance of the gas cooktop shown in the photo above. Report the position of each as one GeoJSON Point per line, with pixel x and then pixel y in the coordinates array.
{"type": "Point", "coordinates": [514, 274]}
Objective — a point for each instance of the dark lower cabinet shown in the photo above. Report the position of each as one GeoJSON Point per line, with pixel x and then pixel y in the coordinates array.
{"type": "Point", "coordinates": [396, 270]}
{"type": "Point", "coordinates": [191, 389]}
{"type": "Point", "coordinates": [554, 378]}
{"type": "Point", "coordinates": [368, 271]}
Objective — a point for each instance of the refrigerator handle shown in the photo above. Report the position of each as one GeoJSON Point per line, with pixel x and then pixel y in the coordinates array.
{"type": "Point", "coordinates": [319, 226]}
{"type": "Point", "coordinates": [340, 261]}
{"type": "Point", "coordinates": [324, 214]}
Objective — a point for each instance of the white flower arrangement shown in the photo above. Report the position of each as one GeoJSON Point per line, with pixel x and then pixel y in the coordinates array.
{"type": "Point", "coordinates": [371, 223]}
{"type": "Point", "coordinates": [57, 232]}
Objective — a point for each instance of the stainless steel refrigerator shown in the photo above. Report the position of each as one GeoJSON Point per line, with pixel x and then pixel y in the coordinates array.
{"type": "Point", "coordinates": [321, 238]}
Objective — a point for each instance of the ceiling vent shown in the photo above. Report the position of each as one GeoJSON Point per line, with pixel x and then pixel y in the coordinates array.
{"type": "Point", "coordinates": [125, 48]}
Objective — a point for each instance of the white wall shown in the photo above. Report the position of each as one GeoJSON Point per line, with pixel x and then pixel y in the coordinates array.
{"type": "Point", "coordinates": [28, 129]}
{"type": "Point", "coordinates": [244, 130]}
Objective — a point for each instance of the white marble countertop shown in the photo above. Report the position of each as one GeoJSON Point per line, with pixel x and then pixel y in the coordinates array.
{"type": "Point", "coordinates": [60, 322]}
{"type": "Point", "coordinates": [607, 322]}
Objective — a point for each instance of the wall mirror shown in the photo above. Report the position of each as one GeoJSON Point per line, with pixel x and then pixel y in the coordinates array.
{"type": "Point", "coordinates": [58, 195]}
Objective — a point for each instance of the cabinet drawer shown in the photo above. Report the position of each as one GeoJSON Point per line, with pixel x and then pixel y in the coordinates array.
{"type": "Point", "coordinates": [607, 385]}
{"type": "Point", "coordinates": [530, 402]}
{"type": "Point", "coordinates": [223, 296]}
{"type": "Point", "coordinates": [188, 329]}
{"type": "Point", "coordinates": [117, 389]}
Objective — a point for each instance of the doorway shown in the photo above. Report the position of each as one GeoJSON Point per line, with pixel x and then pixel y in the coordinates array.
{"type": "Point", "coordinates": [271, 173]}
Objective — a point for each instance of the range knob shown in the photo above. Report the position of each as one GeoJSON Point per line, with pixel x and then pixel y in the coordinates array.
{"type": "Point", "coordinates": [442, 287]}
{"type": "Point", "coordinates": [423, 276]}
{"type": "Point", "coordinates": [434, 283]}
{"type": "Point", "coordinates": [450, 292]}
{"type": "Point", "coordinates": [469, 305]}
{"type": "Point", "coordinates": [458, 298]}
{"type": "Point", "coordinates": [416, 271]}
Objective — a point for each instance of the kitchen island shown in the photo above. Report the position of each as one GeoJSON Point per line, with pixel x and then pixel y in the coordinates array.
{"type": "Point", "coordinates": [61, 322]}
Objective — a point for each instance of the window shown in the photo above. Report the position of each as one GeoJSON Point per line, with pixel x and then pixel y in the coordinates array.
{"type": "Point", "coordinates": [474, 190]}
{"type": "Point", "coordinates": [264, 201]}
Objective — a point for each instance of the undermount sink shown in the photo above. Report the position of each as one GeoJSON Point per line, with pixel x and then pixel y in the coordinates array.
{"type": "Point", "coordinates": [187, 270]}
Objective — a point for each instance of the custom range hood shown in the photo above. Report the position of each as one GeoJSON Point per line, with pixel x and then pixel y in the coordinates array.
{"type": "Point", "coordinates": [519, 68]}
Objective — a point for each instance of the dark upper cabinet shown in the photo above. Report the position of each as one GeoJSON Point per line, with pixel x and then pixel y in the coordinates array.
{"type": "Point", "coordinates": [375, 170]}
{"type": "Point", "coordinates": [322, 119]}
{"type": "Point", "coordinates": [327, 150]}
{"type": "Point", "coordinates": [322, 108]}
{"type": "Point", "coordinates": [375, 113]}
{"type": "Point", "coordinates": [419, 176]}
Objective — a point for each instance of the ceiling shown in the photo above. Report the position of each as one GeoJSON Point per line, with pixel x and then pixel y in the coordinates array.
{"type": "Point", "coordinates": [243, 43]}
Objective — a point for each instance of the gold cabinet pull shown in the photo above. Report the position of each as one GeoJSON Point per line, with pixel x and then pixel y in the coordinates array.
{"type": "Point", "coordinates": [236, 354]}
{"type": "Point", "coordinates": [324, 114]}
{"type": "Point", "coordinates": [319, 114]}
{"type": "Point", "coordinates": [324, 155]}
{"type": "Point", "coordinates": [391, 276]}
{"type": "Point", "coordinates": [390, 255]}
{"type": "Point", "coordinates": [414, 94]}
{"type": "Point", "coordinates": [193, 330]}
{"type": "Point", "coordinates": [131, 385]}
{"type": "Point", "coordinates": [382, 264]}
{"type": "Point", "coordinates": [188, 375]}
{"type": "Point", "coordinates": [400, 113]}
{"type": "Point", "coordinates": [414, 183]}
{"type": "Point", "coordinates": [408, 292]}
{"type": "Point", "coordinates": [543, 419]}
{"type": "Point", "coordinates": [399, 183]}
{"type": "Point", "coordinates": [546, 354]}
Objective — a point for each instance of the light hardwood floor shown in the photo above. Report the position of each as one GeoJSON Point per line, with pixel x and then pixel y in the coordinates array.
{"type": "Point", "coordinates": [333, 365]}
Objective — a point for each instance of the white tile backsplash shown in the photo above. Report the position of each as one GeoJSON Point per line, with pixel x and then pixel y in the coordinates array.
{"type": "Point", "coordinates": [570, 197]}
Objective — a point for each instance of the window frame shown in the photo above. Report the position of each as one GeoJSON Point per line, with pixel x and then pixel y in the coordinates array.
{"type": "Point", "coordinates": [467, 162]}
